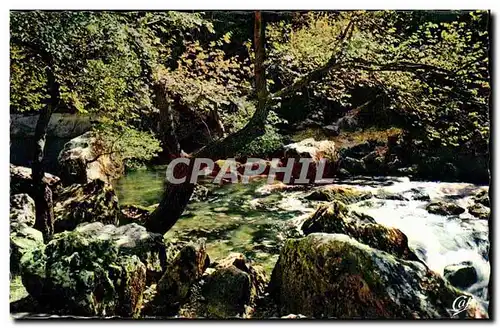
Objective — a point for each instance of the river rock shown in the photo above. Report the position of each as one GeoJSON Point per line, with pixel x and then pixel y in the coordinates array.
{"type": "Point", "coordinates": [461, 275]}
{"type": "Point", "coordinates": [336, 218]}
{"type": "Point", "coordinates": [419, 194]}
{"type": "Point", "coordinates": [482, 198]}
{"type": "Point", "coordinates": [480, 211]}
{"type": "Point", "coordinates": [21, 182]}
{"type": "Point", "coordinates": [180, 274]}
{"type": "Point", "coordinates": [79, 203]}
{"type": "Point", "coordinates": [85, 275]}
{"type": "Point", "coordinates": [335, 276]}
{"type": "Point", "coordinates": [345, 195]}
{"type": "Point", "coordinates": [444, 208]}
{"type": "Point", "coordinates": [23, 238]}
{"type": "Point", "coordinates": [22, 209]}
{"type": "Point", "coordinates": [133, 240]}
{"type": "Point", "coordinates": [232, 289]}
{"type": "Point", "coordinates": [85, 158]}
{"type": "Point", "coordinates": [384, 194]}
{"type": "Point", "coordinates": [310, 148]}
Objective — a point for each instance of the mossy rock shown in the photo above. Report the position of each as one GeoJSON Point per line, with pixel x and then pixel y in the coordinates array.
{"type": "Point", "coordinates": [336, 218]}
{"type": "Point", "coordinates": [95, 201]}
{"type": "Point", "coordinates": [181, 273]}
{"type": "Point", "coordinates": [78, 275]}
{"type": "Point", "coordinates": [133, 239]}
{"type": "Point", "coordinates": [22, 240]}
{"type": "Point", "coordinates": [228, 291]}
{"type": "Point", "coordinates": [345, 195]}
{"type": "Point", "coordinates": [335, 276]}
{"type": "Point", "coordinates": [234, 287]}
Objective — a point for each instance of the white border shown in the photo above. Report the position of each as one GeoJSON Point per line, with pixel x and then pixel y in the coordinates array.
{"type": "Point", "coordinates": [212, 5]}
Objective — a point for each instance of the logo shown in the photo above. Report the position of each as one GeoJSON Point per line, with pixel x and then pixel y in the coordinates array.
{"type": "Point", "coordinates": [461, 304]}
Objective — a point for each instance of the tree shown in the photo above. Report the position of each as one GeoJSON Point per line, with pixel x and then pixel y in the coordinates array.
{"type": "Point", "coordinates": [79, 61]}
{"type": "Point", "coordinates": [350, 47]}
{"type": "Point", "coordinates": [176, 196]}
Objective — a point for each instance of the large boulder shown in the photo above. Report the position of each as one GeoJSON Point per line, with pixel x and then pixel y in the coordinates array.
{"type": "Point", "coordinates": [310, 148]}
{"type": "Point", "coordinates": [61, 125]}
{"type": "Point", "coordinates": [345, 195]}
{"type": "Point", "coordinates": [85, 158]}
{"type": "Point", "coordinates": [22, 209]}
{"type": "Point", "coordinates": [233, 288]}
{"type": "Point", "coordinates": [132, 240]}
{"type": "Point", "coordinates": [23, 237]}
{"type": "Point", "coordinates": [85, 275]}
{"type": "Point", "coordinates": [335, 276]}
{"type": "Point", "coordinates": [336, 218]}
{"type": "Point", "coordinates": [21, 181]}
{"type": "Point", "coordinates": [80, 203]}
{"type": "Point", "coordinates": [444, 208]}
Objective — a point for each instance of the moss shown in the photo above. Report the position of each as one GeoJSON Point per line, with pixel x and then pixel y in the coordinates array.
{"type": "Point", "coordinates": [80, 275]}
{"type": "Point", "coordinates": [341, 194]}
{"type": "Point", "coordinates": [334, 276]}
{"type": "Point", "coordinates": [17, 290]}
{"type": "Point", "coordinates": [336, 218]}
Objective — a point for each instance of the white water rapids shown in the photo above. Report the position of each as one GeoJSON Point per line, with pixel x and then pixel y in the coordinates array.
{"type": "Point", "coordinates": [438, 240]}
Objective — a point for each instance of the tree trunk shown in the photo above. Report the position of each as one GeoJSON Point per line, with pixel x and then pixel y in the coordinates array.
{"type": "Point", "coordinates": [42, 193]}
{"type": "Point", "coordinates": [169, 140]}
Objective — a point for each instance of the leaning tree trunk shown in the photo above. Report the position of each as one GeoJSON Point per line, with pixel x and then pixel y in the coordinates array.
{"type": "Point", "coordinates": [42, 193]}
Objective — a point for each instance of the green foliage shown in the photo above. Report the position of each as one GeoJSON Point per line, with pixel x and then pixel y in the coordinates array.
{"type": "Point", "coordinates": [445, 102]}
{"type": "Point", "coordinates": [106, 64]}
{"type": "Point", "coordinates": [103, 62]}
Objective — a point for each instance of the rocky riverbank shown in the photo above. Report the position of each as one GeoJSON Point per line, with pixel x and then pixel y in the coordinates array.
{"type": "Point", "coordinates": [344, 250]}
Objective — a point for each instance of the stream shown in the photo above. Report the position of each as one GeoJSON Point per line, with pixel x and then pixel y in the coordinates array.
{"type": "Point", "coordinates": [254, 221]}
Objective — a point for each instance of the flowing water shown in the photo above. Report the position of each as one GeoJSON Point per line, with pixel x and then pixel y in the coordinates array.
{"type": "Point", "coordinates": [254, 221]}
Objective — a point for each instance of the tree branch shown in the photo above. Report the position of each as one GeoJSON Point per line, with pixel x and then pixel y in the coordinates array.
{"type": "Point", "coordinates": [320, 72]}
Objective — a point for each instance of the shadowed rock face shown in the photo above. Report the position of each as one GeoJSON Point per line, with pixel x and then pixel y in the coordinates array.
{"type": "Point", "coordinates": [185, 269]}
{"type": "Point", "coordinates": [461, 275]}
{"type": "Point", "coordinates": [21, 182]}
{"type": "Point", "coordinates": [81, 275]}
{"type": "Point", "coordinates": [22, 209]}
{"type": "Point", "coordinates": [91, 202]}
{"type": "Point", "coordinates": [335, 276]}
{"type": "Point", "coordinates": [336, 218]}
{"type": "Point", "coordinates": [232, 289]}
